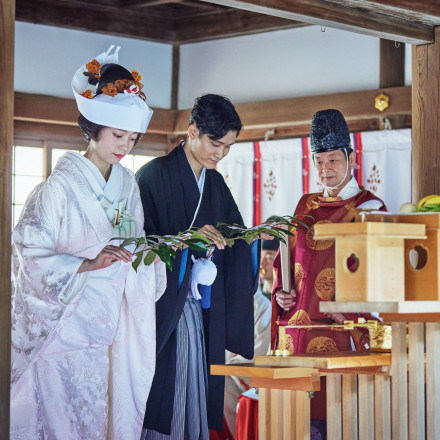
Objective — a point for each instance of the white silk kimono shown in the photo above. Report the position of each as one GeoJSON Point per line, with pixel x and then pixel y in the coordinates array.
{"type": "Point", "coordinates": [83, 345]}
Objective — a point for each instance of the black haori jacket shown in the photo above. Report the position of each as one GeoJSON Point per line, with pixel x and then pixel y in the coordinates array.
{"type": "Point", "coordinates": [170, 196]}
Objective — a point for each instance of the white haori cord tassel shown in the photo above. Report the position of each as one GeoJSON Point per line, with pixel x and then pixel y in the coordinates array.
{"type": "Point", "coordinates": [204, 271]}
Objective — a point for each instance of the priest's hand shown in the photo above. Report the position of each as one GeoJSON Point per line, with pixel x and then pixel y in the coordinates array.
{"type": "Point", "coordinates": [108, 256]}
{"type": "Point", "coordinates": [264, 237]}
{"type": "Point", "coordinates": [339, 318]}
{"type": "Point", "coordinates": [213, 235]}
{"type": "Point", "coordinates": [286, 300]}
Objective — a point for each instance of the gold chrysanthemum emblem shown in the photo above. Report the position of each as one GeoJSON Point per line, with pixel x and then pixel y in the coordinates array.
{"type": "Point", "coordinates": [301, 317]}
{"type": "Point", "coordinates": [299, 276]}
{"type": "Point", "coordinates": [325, 284]}
{"type": "Point", "coordinates": [321, 344]}
{"type": "Point", "coordinates": [318, 245]}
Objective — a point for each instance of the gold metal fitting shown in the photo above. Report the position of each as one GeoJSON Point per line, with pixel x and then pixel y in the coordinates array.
{"type": "Point", "coordinates": [382, 102]}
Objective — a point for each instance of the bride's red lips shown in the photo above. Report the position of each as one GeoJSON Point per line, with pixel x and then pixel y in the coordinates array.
{"type": "Point", "coordinates": [119, 156]}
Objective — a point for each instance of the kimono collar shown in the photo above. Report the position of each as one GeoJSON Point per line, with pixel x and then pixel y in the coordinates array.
{"type": "Point", "coordinates": [109, 190]}
{"type": "Point", "coordinates": [350, 190]}
{"type": "Point", "coordinates": [200, 184]}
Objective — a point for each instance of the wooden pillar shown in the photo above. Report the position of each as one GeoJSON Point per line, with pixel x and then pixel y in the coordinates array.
{"type": "Point", "coordinates": [334, 406]}
{"type": "Point", "coordinates": [264, 404]}
{"type": "Point", "coordinates": [7, 18]}
{"type": "Point", "coordinates": [426, 118]}
{"type": "Point", "coordinates": [366, 407]}
{"type": "Point", "coordinates": [392, 64]}
{"type": "Point", "coordinates": [416, 373]}
{"type": "Point", "coordinates": [175, 77]}
{"type": "Point", "coordinates": [349, 407]}
{"type": "Point", "coordinates": [399, 401]}
{"type": "Point", "coordinates": [432, 381]}
{"type": "Point", "coordinates": [392, 74]}
{"type": "Point", "coordinates": [382, 408]}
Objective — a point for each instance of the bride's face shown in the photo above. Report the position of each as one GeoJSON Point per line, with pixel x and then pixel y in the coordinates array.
{"type": "Point", "coordinates": [113, 144]}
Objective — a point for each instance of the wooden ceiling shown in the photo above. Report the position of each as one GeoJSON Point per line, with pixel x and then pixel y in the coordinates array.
{"type": "Point", "coordinates": [166, 21]}
{"type": "Point", "coordinates": [185, 21]}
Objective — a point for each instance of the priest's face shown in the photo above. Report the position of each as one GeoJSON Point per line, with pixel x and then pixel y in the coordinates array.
{"type": "Point", "coordinates": [332, 167]}
{"type": "Point", "coordinates": [206, 152]}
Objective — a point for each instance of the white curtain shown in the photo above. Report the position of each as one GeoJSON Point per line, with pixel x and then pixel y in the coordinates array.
{"type": "Point", "coordinates": [386, 166]}
{"type": "Point", "coordinates": [237, 170]}
{"type": "Point", "coordinates": [281, 176]}
{"type": "Point", "coordinates": [384, 157]}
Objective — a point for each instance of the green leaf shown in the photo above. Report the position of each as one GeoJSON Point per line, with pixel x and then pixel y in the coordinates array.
{"type": "Point", "coordinates": [137, 261]}
{"type": "Point", "coordinates": [128, 241]}
{"type": "Point", "coordinates": [197, 234]}
{"type": "Point", "coordinates": [230, 242]}
{"type": "Point", "coordinates": [284, 231]}
{"type": "Point", "coordinates": [196, 245]}
{"type": "Point", "coordinates": [117, 238]}
{"type": "Point", "coordinates": [149, 258]}
{"type": "Point", "coordinates": [249, 239]}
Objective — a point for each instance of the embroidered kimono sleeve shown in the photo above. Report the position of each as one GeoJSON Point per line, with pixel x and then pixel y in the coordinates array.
{"type": "Point", "coordinates": [43, 273]}
{"type": "Point", "coordinates": [159, 269]}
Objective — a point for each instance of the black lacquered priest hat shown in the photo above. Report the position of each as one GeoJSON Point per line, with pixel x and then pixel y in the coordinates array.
{"type": "Point", "coordinates": [328, 132]}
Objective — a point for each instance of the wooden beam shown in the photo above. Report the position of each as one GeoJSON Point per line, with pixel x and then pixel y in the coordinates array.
{"type": "Point", "coordinates": [196, 4]}
{"type": "Point", "coordinates": [96, 18]}
{"type": "Point", "coordinates": [355, 16]}
{"type": "Point", "coordinates": [299, 111]}
{"type": "Point", "coordinates": [144, 3]}
{"type": "Point", "coordinates": [303, 130]}
{"type": "Point", "coordinates": [63, 111]}
{"type": "Point", "coordinates": [427, 11]}
{"type": "Point", "coordinates": [64, 136]}
{"type": "Point", "coordinates": [426, 117]}
{"type": "Point", "coordinates": [138, 4]}
{"type": "Point", "coordinates": [7, 23]}
{"type": "Point", "coordinates": [288, 117]}
{"type": "Point", "coordinates": [230, 23]}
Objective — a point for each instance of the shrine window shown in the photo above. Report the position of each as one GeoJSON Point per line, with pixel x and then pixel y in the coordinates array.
{"type": "Point", "coordinates": [33, 161]}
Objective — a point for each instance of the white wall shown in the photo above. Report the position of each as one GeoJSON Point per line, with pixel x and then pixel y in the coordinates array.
{"type": "Point", "coordinates": [281, 64]}
{"type": "Point", "coordinates": [46, 58]}
{"type": "Point", "coordinates": [273, 65]}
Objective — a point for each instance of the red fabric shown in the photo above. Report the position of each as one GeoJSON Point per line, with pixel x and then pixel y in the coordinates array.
{"type": "Point", "coordinates": [306, 165]}
{"type": "Point", "coordinates": [313, 264]}
{"type": "Point", "coordinates": [358, 139]}
{"type": "Point", "coordinates": [246, 426]}
{"type": "Point", "coordinates": [226, 434]}
{"type": "Point", "coordinates": [257, 184]}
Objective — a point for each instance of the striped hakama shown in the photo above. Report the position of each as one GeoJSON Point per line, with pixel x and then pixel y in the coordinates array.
{"type": "Point", "coordinates": [189, 410]}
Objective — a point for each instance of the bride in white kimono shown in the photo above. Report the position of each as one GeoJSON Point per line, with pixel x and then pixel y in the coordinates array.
{"type": "Point", "coordinates": [83, 321]}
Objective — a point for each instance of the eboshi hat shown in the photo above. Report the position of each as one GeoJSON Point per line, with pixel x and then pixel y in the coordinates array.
{"type": "Point", "coordinates": [328, 132]}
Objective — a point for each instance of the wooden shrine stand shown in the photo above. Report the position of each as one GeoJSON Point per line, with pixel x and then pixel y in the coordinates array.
{"type": "Point", "coordinates": [374, 396]}
{"type": "Point", "coordinates": [286, 384]}
{"type": "Point", "coordinates": [284, 404]}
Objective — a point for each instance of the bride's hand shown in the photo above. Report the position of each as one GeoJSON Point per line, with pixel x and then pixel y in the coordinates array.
{"type": "Point", "coordinates": [108, 256]}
